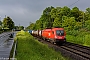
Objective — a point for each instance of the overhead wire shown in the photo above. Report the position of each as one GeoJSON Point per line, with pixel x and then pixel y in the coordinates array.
{"type": "Point", "coordinates": [74, 3]}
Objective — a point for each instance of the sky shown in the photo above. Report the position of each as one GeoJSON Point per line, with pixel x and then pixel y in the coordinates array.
{"type": "Point", "coordinates": [23, 12]}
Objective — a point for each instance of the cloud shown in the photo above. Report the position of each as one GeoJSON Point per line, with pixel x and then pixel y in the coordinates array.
{"type": "Point", "coordinates": [24, 11]}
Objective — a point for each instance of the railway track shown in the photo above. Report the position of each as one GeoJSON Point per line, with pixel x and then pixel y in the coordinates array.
{"type": "Point", "coordinates": [74, 51]}
{"type": "Point", "coordinates": [81, 50]}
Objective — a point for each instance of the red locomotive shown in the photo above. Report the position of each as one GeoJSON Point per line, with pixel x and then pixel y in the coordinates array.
{"type": "Point", "coordinates": [53, 35]}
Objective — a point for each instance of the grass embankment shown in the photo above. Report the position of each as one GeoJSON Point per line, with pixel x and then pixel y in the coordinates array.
{"type": "Point", "coordinates": [79, 37]}
{"type": "Point", "coordinates": [30, 49]}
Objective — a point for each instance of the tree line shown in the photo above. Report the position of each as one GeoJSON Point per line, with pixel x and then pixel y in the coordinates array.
{"type": "Point", "coordinates": [8, 24]}
{"type": "Point", "coordinates": [70, 19]}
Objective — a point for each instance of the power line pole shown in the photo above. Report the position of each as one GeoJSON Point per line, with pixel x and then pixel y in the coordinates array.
{"type": "Point", "coordinates": [19, 25]}
{"type": "Point", "coordinates": [83, 21]}
{"type": "Point", "coordinates": [5, 16]}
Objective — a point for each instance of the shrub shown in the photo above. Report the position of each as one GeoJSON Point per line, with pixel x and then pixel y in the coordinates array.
{"type": "Point", "coordinates": [87, 40]}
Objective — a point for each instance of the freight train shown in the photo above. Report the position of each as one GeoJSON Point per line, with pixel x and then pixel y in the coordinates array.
{"type": "Point", "coordinates": [54, 35]}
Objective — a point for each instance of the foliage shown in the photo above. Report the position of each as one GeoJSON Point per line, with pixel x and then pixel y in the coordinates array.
{"type": "Point", "coordinates": [65, 11]}
{"type": "Point", "coordinates": [16, 27]}
{"type": "Point", "coordinates": [75, 21]}
{"type": "Point", "coordinates": [19, 27]}
{"type": "Point", "coordinates": [79, 37]}
{"type": "Point", "coordinates": [61, 17]}
{"type": "Point", "coordinates": [31, 26]}
{"type": "Point", "coordinates": [75, 39]}
{"type": "Point", "coordinates": [8, 23]}
{"type": "Point", "coordinates": [87, 40]}
{"type": "Point", "coordinates": [28, 48]}
{"type": "Point", "coordinates": [57, 23]}
{"type": "Point", "coordinates": [69, 23]}
{"type": "Point", "coordinates": [87, 24]}
{"type": "Point", "coordinates": [78, 25]}
{"type": "Point", "coordinates": [75, 13]}
{"type": "Point", "coordinates": [73, 32]}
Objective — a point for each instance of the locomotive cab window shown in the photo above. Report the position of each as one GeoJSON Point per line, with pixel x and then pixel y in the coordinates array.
{"type": "Point", "coordinates": [60, 32]}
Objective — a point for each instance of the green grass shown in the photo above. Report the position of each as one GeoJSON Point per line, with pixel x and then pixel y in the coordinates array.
{"type": "Point", "coordinates": [29, 48]}
{"type": "Point", "coordinates": [81, 37]}
{"type": "Point", "coordinates": [75, 39]}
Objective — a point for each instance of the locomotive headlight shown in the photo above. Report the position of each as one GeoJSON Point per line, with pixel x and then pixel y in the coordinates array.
{"type": "Point", "coordinates": [55, 36]}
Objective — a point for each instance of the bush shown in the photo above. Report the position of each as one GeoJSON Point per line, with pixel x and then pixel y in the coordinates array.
{"type": "Point", "coordinates": [79, 37]}
{"type": "Point", "coordinates": [87, 40]}
{"type": "Point", "coordinates": [73, 32]}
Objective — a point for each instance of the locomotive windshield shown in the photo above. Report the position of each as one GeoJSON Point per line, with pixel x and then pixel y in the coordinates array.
{"type": "Point", "coordinates": [60, 32]}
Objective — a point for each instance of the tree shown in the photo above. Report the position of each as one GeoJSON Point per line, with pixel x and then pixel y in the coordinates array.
{"type": "Point", "coordinates": [56, 16]}
{"type": "Point", "coordinates": [46, 18]}
{"type": "Point", "coordinates": [78, 25]}
{"type": "Point", "coordinates": [65, 17]}
{"type": "Point", "coordinates": [57, 23]}
{"type": "Point", "coordinates": [88, 10]}
{"type": "Point", "coordinates": [68, 23]}
{"type": "Point", "coordinates": [31, 26]}
{"type": "Point", "coordinates": [16, 27]}
{"type": "Point", "coordinates": [65, 11]}
{"type": "Point", "coordinates": [87, 24]}
{"type": "Point", "coordinates": [21, 27]}
{"type": "Point", "coordinates": [58, 13]}
{"type": "Point", "coordinates": [8, 23]}
{"type": "Point", "coordinates": [75, 13]}
{"type": "Point", "coordinates": [87, 14]}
